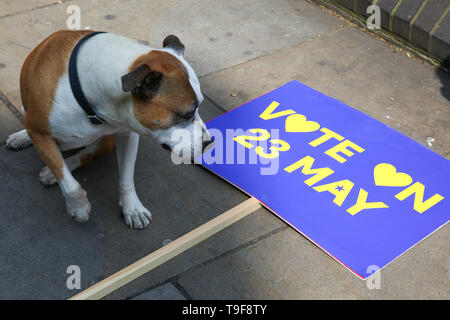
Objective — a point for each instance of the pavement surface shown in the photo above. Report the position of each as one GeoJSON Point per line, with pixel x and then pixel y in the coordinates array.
{"type": "Point", "coordinates": [240, 51]}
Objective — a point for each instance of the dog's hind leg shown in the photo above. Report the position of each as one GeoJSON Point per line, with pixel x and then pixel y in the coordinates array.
{"type": "Point", "coordinates": [77, 203]}
{"type": "Point", "coordinates": [18, 140]}
{"type": "Point", "coordinates": [84, 156]}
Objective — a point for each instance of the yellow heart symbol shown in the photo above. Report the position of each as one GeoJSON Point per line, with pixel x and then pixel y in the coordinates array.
{"type": "Point", "coordinates": [386, 175]}
{"type": "Point", "coordinates": [298, 123]}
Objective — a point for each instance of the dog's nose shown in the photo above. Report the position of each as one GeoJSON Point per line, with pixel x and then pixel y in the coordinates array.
{"type": "Point", "coordinates": [166, 146]}
{"type": "Point", "coordinates": [207, 144]}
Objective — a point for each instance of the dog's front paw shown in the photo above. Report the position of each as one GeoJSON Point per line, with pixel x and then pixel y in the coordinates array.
{"type": "Point", "coordinates": [135, 214]}
{"type": "Point", "coordinates": [18, 140]}
{"type": "Point", "coordinates": [78, 206]}
{"type": "Point", "coordinates": [46, 177]}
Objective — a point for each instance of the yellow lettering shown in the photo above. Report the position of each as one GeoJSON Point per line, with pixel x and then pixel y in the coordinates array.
{"type": "Point", "coordinates": [243, 139]}
{"type": "Point", "coordinates": [306, 163]}
{"type": "Point", "coordinates": [418, 190]}
{"type": "Point", "coordinates": [342, 147]}
{"type": "Point", "coordinates": [328, 134]}
{"type": "Point", "coordinates": [361, 203]}
{"type": "Point", "coordinates": [282, 146]}
{"type": "Point", "coordinates": [340, 189]}
{"type": "Point", "coordinates": [268, 113]}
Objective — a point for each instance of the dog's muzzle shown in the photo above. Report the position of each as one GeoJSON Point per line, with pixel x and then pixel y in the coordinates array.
{"type": "Point", "coordinates": [166, 147]}
{"type": "Point", "coordinates": [206, 145]}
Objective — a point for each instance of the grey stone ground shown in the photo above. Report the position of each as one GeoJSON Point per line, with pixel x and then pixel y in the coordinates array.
{"type": "Point", "coordinates": [245, 48]}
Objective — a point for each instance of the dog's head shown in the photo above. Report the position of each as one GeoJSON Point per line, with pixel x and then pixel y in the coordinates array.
{"type": "Point", "coordinates": [166, 95]}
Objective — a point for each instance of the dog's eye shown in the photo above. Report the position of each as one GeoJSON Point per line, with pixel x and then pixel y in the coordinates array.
{"type": "Point", "coordinates": [188, 115]}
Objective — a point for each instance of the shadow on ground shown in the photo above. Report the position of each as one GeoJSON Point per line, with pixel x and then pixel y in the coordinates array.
{"type": "Point", "coordinates": [444, 76]}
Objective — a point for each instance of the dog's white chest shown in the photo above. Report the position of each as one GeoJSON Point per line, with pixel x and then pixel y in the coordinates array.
{"type": "Point", "coordinates": [69, 123]}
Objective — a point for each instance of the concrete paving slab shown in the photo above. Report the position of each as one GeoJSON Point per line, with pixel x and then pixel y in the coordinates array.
{"type": "Point", "coordinates": [247, 230]}
{"type": "Point", "coordinates": [283, 266]}
{"type": "Point", "coordinates": [38, 240]}
{"type": "Point", "coordinates": [123, 17]}
{"type": "Point", "coordinates": [165, 292]}
{"type": "Point", "coordinates": [117, 16]}
{"type": "Point", "coordinates": [287, 266]}
{"type": "Point", "coordinates": [239, 32]}
{"type": "Point", "coordinates": [11, 60]}
{"type": "Point", "coordinates": [13, 7]}
{"type": "Point", "coordinates": [361, 71]}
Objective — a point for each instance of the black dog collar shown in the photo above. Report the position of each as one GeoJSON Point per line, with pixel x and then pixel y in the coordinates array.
{"type": "Point", "coordinates": [75, 82]}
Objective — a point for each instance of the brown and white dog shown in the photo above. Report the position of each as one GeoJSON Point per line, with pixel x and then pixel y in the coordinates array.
{"type": "Point", "coordinates": [136, 90]}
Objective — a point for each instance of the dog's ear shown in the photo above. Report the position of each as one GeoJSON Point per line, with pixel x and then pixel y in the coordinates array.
{"type": "Point", "coordinates": [133, 79]}
{"type": "Point", "coordinates": [142, 81]}
{"type": "Point", "coordinates": [174, 43]}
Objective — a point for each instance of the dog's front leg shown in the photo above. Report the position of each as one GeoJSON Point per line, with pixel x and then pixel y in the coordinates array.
{"type": "Point", "coordinates": [135, 214]}
{"type": "Point", "coordinates": [77, 203]}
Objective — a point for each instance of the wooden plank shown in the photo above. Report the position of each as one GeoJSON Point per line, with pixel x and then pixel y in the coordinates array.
{"type": "Point", "coordinates": [172, 249]}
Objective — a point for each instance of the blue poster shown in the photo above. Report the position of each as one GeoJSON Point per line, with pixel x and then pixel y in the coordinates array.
{"type": "Point", "coordinates": [361, 191]}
